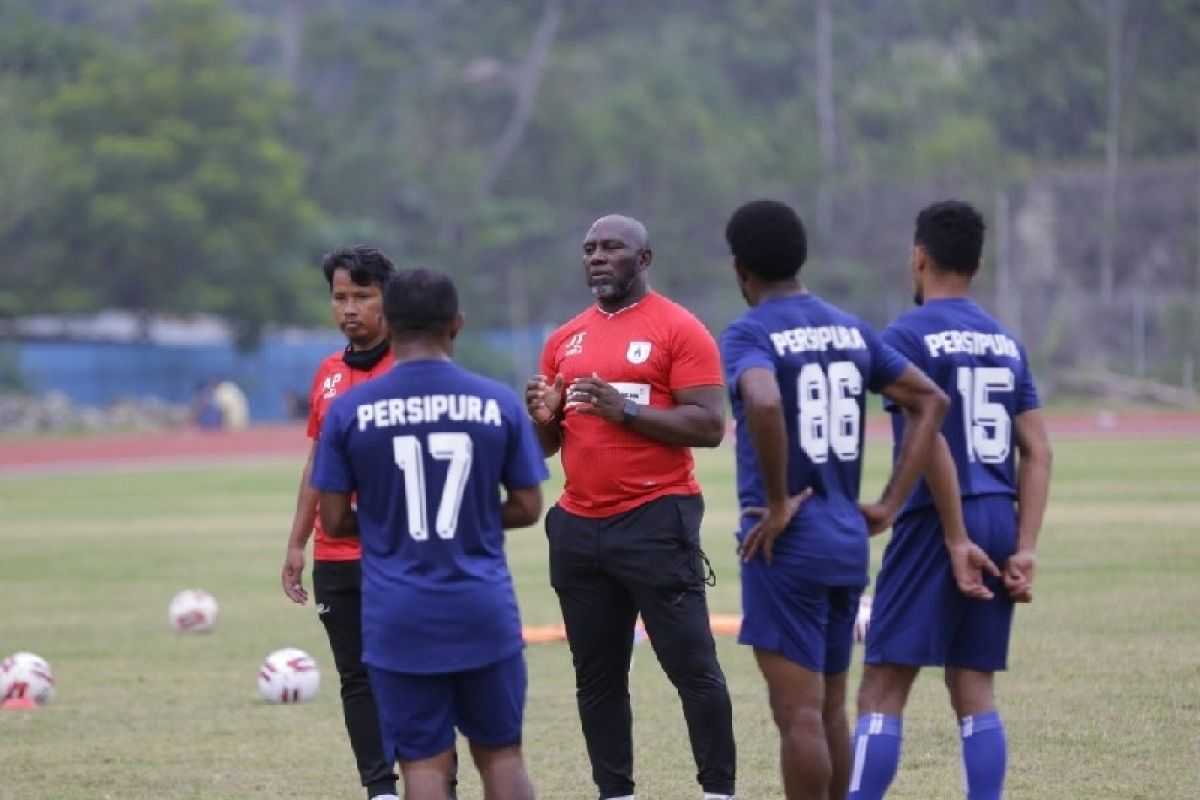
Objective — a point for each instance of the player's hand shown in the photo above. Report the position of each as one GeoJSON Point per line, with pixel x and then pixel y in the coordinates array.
{"type": "Point", "coordinates": [878, 515]}
{"type": "Point", "coordinates": [592, 395]}
{"type": "Point", "coordinates": [770, 527]}
{"type": "Point", "coordinates": [543, 399]}
{"type": "Point", "coordinates": [968, 562]}
{"type": "Point", "coordinates": [1018, 575]}
{"type": "Point", "coordinates": [293, 575]}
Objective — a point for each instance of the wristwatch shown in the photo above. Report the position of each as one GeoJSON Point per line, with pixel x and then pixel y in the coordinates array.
{"type": "Point", "coordinates": [629, 411]}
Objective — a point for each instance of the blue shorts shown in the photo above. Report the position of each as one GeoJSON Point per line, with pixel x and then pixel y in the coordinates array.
{"type": "Point", "coordinates": [808, 623]}
{"type": "Point", "coordinates": [418, 713]}
{"type": "Point", "coordinates": [919, 617]}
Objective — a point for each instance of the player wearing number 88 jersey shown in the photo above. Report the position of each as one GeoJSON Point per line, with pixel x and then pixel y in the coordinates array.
{"type": "Point", "coordinates": [798, 369]}
{"type": "Point", "coordinates": [922, 615]}
{"type": "Point", "coordinates": [427, 447]}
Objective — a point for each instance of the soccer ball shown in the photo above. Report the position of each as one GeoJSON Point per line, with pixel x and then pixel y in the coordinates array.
{"type": "Point", "coordinates": [288, 675]}
{"type": "Point", "coordinates": [863, 620]}
{"type": "Point", "coordinates": [26, 676]}
{"type": "Point", "coordinates": [192, 611]}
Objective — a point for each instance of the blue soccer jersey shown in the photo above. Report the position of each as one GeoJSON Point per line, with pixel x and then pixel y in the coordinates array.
{"type": "Point", "coordinates": [427, 446]}
{"type": "Point", "coordinates": [985, 371]}
{"type": "Point", "coordinates": [824, 359]}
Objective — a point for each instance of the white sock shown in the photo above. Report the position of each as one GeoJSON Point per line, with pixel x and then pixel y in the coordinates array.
{"type": "Point", "coordinates": [386, 797]}
{"type": "Point", "coordinates": [623, 797]}
{"type": "Point", "coordinates": [711, 796]}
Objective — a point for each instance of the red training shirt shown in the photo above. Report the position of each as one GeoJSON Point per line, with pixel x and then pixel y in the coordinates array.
{"type": "Point", "coordinates": [645, 351]}
{"type": "Point", "coordinates": [333, 379]}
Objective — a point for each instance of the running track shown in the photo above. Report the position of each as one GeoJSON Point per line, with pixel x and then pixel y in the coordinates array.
{"type": "Point", "coordinates": [191, 447]}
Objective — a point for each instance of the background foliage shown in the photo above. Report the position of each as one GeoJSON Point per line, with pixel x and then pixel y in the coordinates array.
{"type": "Point", "coordinates": [200, 155]}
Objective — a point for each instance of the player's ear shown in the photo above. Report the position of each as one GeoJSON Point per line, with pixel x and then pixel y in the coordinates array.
{"type": "Point", "coordinates": [457, 324]}
{"type": "Point", "coordinates": [645, 256]}
{"type": "Point", "coordinates": [917, 259]}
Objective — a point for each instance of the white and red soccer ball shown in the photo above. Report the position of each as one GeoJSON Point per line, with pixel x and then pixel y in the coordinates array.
{"type": "Point", "coordinates": [288, 675]}
{"type": "Point", "coordinates": [192, 611]}
{"type": "Point", "coordinates": [26, 676]}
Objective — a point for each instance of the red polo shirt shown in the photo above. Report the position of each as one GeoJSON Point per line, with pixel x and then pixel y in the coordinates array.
{"type": "Point", "coordinates": [646, 351]}
{"type": "Point", "coordinates": [333, 379]}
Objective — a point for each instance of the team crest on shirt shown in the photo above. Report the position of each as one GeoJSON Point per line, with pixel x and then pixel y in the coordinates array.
{"type": "Point", "coordinates": [638, 352]}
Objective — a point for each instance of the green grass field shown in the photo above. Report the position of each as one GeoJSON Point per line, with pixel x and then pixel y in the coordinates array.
{"type": "Point", "coordinates": [1102, 701]}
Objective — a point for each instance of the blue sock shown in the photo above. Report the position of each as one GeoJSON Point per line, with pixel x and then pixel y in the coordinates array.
{"type": "Point", "coordinates": [876, 755]}
{"type": "Point", "coordinates": [984, 754]}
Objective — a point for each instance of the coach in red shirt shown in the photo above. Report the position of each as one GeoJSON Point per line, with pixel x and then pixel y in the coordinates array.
{"type": "Point", "coordinates": [626, 388]}
{"type": "Point", "coordinates": [356, 277]}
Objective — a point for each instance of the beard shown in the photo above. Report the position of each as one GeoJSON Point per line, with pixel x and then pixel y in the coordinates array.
{"type": "Point", "coordinates": [616, 290]}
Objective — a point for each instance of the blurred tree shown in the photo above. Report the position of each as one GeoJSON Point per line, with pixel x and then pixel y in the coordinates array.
{"type": "Point", "coordinates": [161, 152]}
{"type": "Point", "coordinates": [176, 192]}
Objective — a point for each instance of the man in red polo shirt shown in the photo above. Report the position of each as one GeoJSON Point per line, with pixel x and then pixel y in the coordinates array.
{"type": "Point", "coordinates": [356, 277]}
{"type": "Point", "coordinates": [626, 388]}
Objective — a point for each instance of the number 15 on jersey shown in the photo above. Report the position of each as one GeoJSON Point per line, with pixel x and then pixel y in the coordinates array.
{"type": "Point", "coordinates": [986, 423]}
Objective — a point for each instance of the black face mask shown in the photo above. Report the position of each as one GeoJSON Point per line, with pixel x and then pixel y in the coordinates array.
{"type": "Point", "coordinates": [365, 360]}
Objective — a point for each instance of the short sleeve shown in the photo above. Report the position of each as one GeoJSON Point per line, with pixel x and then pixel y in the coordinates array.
{"type": "Point", "coordinates": [695, 360]}
{"type": "Point", "coordinates": [332, 471]}
{"type": "Point", "coordinates": [546, 365]}
{"type": "Point", "coordinates": [524, 462]}
{"type": "Point", "coordinates": [887, 363]}
{"type": "Point", "coordinates": [1027, 393]}
{"type": "Point", "coordinates": [744, 347]}
{"type": "Point", "coordinates": [314, 407]}
{"type": "Point", "coordinates": [904, 343]}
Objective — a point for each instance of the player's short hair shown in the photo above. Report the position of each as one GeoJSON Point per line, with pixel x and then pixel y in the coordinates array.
{"type": "Point", "coordinates": [419, 302]}
{"type": "Point", "coordinates": [368, 266]}
{"type": "Point", "coordinates": [951, 232]}
{"type": "Point", "coordinates": [768, 239]}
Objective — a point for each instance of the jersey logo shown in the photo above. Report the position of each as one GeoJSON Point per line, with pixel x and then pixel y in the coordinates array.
{"type": "Point", "coordinates": [575, 344]}
{"type": "Point", "coordinates": [638, 352]}
{"type": "Point", "coordinates": [329, 388]}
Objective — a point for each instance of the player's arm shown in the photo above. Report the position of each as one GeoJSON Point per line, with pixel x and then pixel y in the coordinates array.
{"type": "Point", "coordinates": [522, 507]}
{"type": "Point", "coordinates": [968, 562]}
{"type": "Point", "coordinates": [1033, 493]}
{"type": "Point", "coordinates": [338, 516]}
{"type": "Point", "coordinates": [924, 406]}
{"type": "Point", "coordinates": [763, 403]}
{"type": "Point", "coordinates": [696, 420]}
{"type": "Point", "coordinates": [302, 527]}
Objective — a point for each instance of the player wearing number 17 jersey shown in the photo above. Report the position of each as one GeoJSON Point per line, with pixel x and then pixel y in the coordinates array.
{"type": "Point", "coordinates": [798, 369]}
{"type": "Point", "coordinates": [428, 447]}
{"type": "Point", "coordinates": [920, 618]}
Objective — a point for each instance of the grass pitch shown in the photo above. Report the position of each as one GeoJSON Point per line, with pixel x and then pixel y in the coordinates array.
{"type": "Point", "coordinates": [1102, 700]}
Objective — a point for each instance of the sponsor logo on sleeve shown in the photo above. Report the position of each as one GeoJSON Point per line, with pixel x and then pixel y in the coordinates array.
{"type": "Point", "coordinates": [329, 388]}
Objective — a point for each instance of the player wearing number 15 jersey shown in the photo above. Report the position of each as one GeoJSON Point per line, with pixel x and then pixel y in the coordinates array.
{"type": "Point", "coordinates": [798, 369]}
{"type": "Point", "coordinates": [427, 447]}
{"type": "Point", "coordinates": [920, 618]}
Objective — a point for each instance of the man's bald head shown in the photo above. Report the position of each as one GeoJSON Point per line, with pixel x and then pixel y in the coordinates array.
{"type": "Point", "coordinates": [629, 229]}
